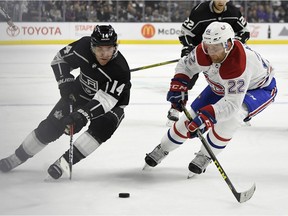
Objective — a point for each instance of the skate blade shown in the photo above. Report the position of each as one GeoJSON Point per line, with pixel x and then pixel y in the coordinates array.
{"type": "Point", "coordinates": [246, 124]}
{"type": "Point", "coordinates": [48, 178]}
{"type": "Point", "coordinates": [146, 167]}
{"type": "Point", "coordinates": [190, 175]}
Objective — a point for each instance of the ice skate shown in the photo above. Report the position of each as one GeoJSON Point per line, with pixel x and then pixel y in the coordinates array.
{"type": "Point", "coordinates": [198, 164]}
{"type": "Point", "coordinates": [155, 157]}
{"type": "Point", "coordinates": [173, 116]}
{"type": "Point", "coordinates": [9, 163]}
{"type": "Point", "coordinates": [59, 167]}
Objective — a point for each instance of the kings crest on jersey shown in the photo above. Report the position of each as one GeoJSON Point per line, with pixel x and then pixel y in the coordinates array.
{"type": "Point", "coordinates": [110, 82]}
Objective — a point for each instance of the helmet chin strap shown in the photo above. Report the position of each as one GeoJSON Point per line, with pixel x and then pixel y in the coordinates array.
{"type": "Point", "coordinates": [227, 51]}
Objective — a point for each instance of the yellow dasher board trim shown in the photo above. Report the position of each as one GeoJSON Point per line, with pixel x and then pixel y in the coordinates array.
{"type": "Point", "coordinates": [164, 42]}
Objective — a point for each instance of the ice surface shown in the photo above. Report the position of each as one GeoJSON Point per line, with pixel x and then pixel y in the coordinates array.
{"type": "Point", "coordinates": [257, 153]}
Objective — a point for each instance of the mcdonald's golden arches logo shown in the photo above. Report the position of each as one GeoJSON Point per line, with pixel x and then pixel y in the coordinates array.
{"type": "Point", "coordinates": [148, 31]}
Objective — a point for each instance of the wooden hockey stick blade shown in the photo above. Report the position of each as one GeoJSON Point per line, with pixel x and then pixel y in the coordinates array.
{"type": "Point", "coordinates": [154, 65]}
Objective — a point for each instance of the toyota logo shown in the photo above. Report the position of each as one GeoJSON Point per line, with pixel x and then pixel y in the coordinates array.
{"type": "Point", "coordinates": [13, 32]}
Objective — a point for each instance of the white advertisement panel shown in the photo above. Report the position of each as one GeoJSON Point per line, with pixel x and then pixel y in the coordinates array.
{"type": "Point", "coordinates": [35, 31]}
{"type": "Point", "coordinates": [133, 33]}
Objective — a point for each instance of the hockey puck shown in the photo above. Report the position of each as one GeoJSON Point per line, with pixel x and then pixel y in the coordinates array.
{"type": "Point", "coordinates": [124, 195]}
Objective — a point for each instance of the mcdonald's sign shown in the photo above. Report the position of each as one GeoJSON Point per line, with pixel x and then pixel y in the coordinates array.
{"type": "Point", "coordinates": [148, 31]}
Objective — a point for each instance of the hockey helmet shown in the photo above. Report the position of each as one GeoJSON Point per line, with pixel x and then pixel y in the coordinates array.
{"type": "Point", "coordinates": [218, 32]}
{"type": "Point", "coordinates": [103, 35]}
{"type": "Point", "coordinates": [216, 35]}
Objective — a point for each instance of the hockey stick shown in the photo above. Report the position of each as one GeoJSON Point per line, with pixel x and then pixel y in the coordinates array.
{"type": "Point", "coordinates": [71, 141]}
{"type": "Point", "coordinates": [242, 196]}
{"type": "Point", "coordinates": [154, 65]}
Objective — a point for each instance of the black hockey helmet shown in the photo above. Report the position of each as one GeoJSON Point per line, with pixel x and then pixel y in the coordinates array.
{"type": "Point", "coordinates": [103, 35]}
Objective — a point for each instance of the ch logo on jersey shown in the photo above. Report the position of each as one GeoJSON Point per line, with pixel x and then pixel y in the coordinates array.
{"type": "Point", "coordinates": [217, 88]}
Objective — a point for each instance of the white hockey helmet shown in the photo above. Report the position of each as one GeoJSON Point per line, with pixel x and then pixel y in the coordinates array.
{"type": "Point", "coordinates": [218, 32]}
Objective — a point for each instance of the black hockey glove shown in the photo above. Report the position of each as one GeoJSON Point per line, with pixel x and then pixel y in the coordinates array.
{"type": "Point", "coordinates": [78, 119]}
{"type": "Point", "coordinates": [186, 50]}
{"type": "Point", "coordinates": [242, 36]}
{"type": "Point", "coordinates": [68, 91]}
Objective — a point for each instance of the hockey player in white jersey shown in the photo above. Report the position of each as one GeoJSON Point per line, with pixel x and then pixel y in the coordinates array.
{"type": "Point", "coordinates": [194, 26]}
{"type": "Point", "coordinates": [240, 85]}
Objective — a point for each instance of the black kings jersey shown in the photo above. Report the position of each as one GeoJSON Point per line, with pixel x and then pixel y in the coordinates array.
{"type": "Point", "coordinates": [109, 84]}
{"type": "Point", "coordinates": [202, 15]}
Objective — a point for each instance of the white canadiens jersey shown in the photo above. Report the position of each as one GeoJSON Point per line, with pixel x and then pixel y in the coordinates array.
{"type": "Point", "coordinates": [242, 70]}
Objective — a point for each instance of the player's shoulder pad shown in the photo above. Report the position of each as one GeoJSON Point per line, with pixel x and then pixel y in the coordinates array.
{"type": "Point", "coordinates": [197, 12]}
{"type": "Point", "coordinates": [203, 6]}
{"type": "Point", "coordinates": [232, 9]}
{"type": "Point", "coordinates": [123, 62]}
{"type": "Point", "coordinates": [202, 58]}
{"type": "Point", "coordinates": [120, 65]}
{"type": "Point", "coordinates": [83, 43]}
{"type": "Point", "coordinates": [81, 47]}
{"type": "Point", "coordinates": [235, 63]}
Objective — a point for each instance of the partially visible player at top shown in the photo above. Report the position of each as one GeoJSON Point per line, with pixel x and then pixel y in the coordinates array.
{"type": "Point", "coordinates": [99, 94]}
{"type": "Point", "coordinates": [194, 26]}
{"type": "Point", "coordinates": [241, 84]}
{"type": "Point", "coordinates": [5, 17]}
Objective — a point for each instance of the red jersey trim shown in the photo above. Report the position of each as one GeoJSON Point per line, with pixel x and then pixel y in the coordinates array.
{"type": "Point", "coordinates": [202, 58]}
{"type": "Point", "coordinates": [235, 63]}
{"type": "Point", "coordinates": [232, 67]}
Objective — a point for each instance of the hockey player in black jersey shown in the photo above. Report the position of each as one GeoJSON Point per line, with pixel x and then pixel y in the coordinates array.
{"type": "Point", "coordinates": [194, 26]}
{"type": "Point", "coordinates": [5, 16]}
{"type": "Point", "coordinates": [98, 94]}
